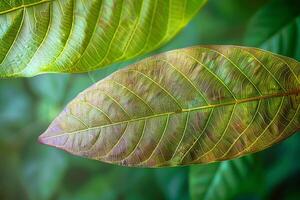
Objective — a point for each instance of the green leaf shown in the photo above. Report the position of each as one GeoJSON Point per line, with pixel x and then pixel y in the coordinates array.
{"type": "Point", "coordinates": [39, 36]}
{"type": "Point", "coordinates": [194, 105]}
{"type": "Point", "coordinates": [276, 27]}
{"type": "Point", "coordinates": [220, 180]}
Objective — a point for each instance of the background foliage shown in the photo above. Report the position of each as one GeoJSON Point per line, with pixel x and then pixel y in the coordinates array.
{"type": "Point", "coordinates": [32, 171]}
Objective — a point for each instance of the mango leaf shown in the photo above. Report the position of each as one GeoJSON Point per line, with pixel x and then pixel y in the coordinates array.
{"type": "Point", "coordinates": [38, 36]}
{"type": "Point", "coordinates": [193, 105]}
{"type": "Point", "coordinates": [275, 27]}
{"type": "Point", "coordinates": [220, 180]}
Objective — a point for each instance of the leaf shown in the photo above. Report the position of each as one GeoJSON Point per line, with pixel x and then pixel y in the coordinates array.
{"type": "Point", "coordinates": [275, 27]}
{"type": "Point", "coordinates": [41, 36]}
{"type": "Point", "coordinates": [220, 180]}
{"type": "Point", "coordinates": [194, 105]}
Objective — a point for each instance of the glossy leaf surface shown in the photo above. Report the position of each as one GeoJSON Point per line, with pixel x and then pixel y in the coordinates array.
{"type": "Point", "coordinates": [193, 105]}
{"type": "Point", "coordinates": [219, 180]}
{"type": "Point", "coordinates": [40, 36]}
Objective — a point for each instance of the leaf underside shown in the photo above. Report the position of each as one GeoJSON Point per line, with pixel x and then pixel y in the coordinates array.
{"type": "Point", "coordinates": [188, 106]}
{"type": "Point", "coordinates": [41, 36]}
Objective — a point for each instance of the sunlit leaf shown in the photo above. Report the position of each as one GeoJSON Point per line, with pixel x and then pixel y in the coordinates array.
{"type": "Point", "coordinates": [220, 180]}
{"type": "Point", "coordinates": [194, 105]}
{"type": "Point", "coordinates": [39, 36]}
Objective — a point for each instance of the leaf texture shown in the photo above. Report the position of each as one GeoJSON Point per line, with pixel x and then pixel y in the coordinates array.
{"type": "Point", "coordinates": [193, 105]}
{"type": "Point", "coordinates": [40, 36]}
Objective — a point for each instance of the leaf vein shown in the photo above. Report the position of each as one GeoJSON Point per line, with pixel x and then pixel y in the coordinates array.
{"type": "Point", "coordinates": [117, 142]}
{"type": "Point", "coordinates": [160, 140]}
{"type": "Point", "coordinates": [183, 134]}
{"type": "Point", "coordinates": [137, 144]}
{"type": "Point", "coordinates": [197, 139]}
{"type": "Point", "coordinates": [265, 67]}
{"type": "Point", "coordinates": [282, 100]}
{"type": "Point", "coordinates": [212, 73]}
{"type": "Point", "coordinates": [252, 120]}
{"type": "Point", "coordinates": [161, 87]}
{"type": "Point", "coordinates": [97, 108]}
{"type": "Point", "coordinates": [222, 135]}
{"type": "Point", "coordinates": [135, 94]}
{"type": "Point", "coordinates": [16, 37]}
{"type": "Point", "coordinates": [228, 59]}
{"type": "Point", "coordinates": [93, 32]}
{"type": "Point", "coordinates": [189, 80]}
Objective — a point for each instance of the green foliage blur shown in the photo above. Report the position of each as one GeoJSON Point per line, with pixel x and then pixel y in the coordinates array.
{"type": "Point", "coordinates": [32, 171]}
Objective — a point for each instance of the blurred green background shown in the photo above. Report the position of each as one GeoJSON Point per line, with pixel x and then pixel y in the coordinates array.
{"type": "Point", "coordinates": [29, 170]}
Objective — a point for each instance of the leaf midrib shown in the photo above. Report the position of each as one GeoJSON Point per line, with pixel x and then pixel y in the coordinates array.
{"type": "Point", "coordinates": [25, 6]}
{"type": "Point", "coordinates": [238, 101]}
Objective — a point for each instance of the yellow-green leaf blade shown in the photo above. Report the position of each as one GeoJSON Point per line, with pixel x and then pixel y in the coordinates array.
{"type": "Point", "coordinates": [74, 36]}
{"type": "Point", "coordinates": [193, 105]}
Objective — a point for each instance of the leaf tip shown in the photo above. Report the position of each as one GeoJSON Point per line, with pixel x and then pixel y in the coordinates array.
{"type": "Point", "coordinates": [48, 139]}
{"type": "Point", "coordinates": [41, 139]}
{"type": "Point", "coordinates": [54, 135]}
